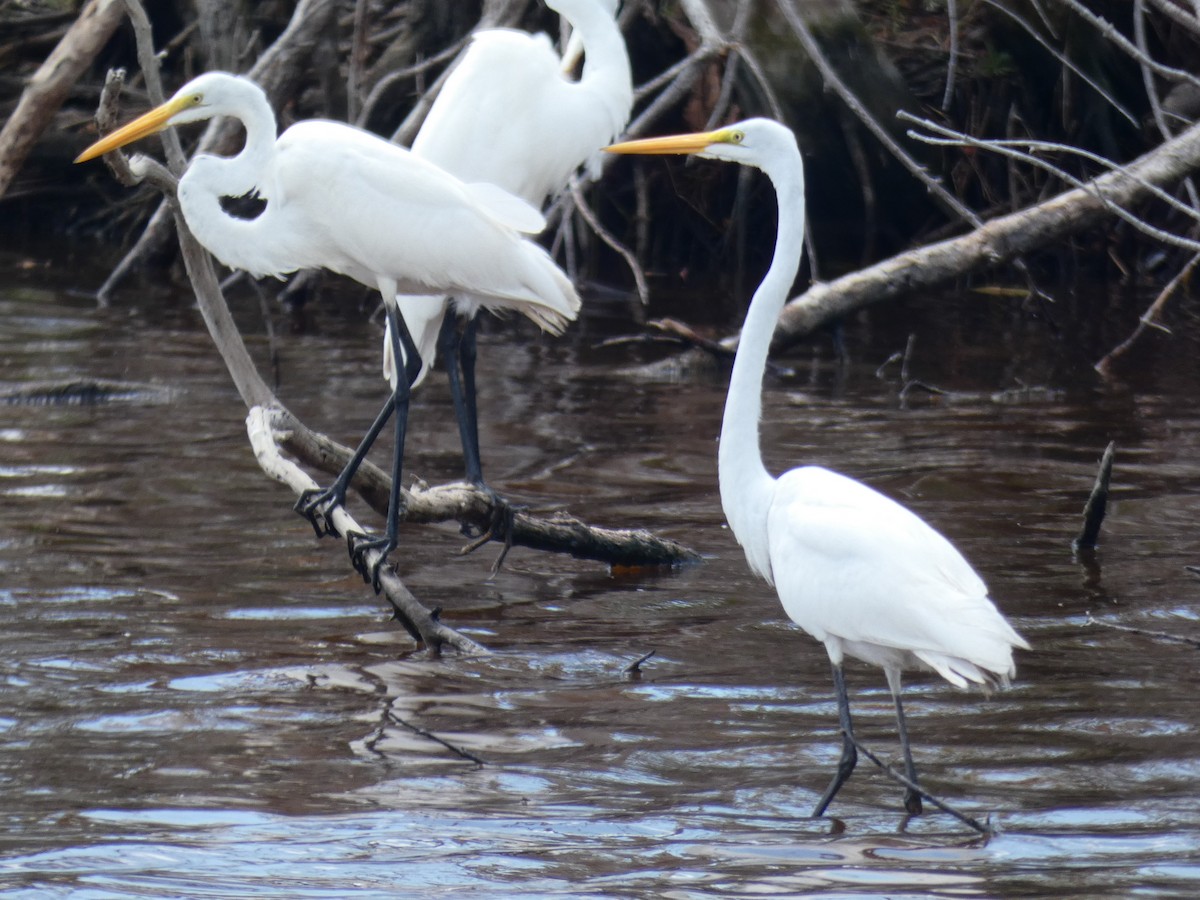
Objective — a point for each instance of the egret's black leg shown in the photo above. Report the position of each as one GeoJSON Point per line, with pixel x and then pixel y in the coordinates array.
{"type": "Point", "coordinates": [849, 754]}
{"type": "Point", "coordinates": [458, 349]}
{"type": "Point", "coordinates": [912, 800]}
{"type": "Point", "coordinates": [359, 544]}
{"type": "Point", "coordinates": [316, 505]}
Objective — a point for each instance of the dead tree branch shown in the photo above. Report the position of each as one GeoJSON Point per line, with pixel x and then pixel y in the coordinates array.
{"type": "Point", "coordinates": [467, 505]}
{"type": "Point", "coordinates": [52, 82]}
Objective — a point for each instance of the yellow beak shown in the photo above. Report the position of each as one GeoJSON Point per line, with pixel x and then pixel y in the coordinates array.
{"type": "Point", "coordinates": [681, 143]}
{"type": "Point", "coordinates": [151, 123]}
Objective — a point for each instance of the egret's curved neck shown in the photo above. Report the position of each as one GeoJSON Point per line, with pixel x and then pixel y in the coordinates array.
{"type": "Point", "coordinates": [605, 62]}
{"type": "Point", "coordinates": [745, 482]}
{"type": "Point", "coordinates": [209, 178]}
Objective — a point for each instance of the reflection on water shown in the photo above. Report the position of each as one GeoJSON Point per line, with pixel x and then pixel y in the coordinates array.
{"type": "Point", "coordinates": [202, 700]}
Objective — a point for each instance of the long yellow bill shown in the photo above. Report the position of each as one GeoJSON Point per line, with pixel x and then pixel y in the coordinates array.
{"type": "Point", "coordinates": [151, 123]}
{"type": "Point", "coordinates": [680, 143]}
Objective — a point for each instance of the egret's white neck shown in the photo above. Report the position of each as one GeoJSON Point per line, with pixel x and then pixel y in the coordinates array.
{"type": "Point", "coordinates": [605, 59]}
{"type": "Point", "coordinates": [209, 178]}
{"type": "Point", "coordinates": [606, 62]}
{"type": "Point", "coordinates": [746, 486]}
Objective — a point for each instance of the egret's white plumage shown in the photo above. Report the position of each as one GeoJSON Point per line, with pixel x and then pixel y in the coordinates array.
{"type": "Point", "coordinates": [856, 570]}
{"type": "Point", "coordinates": [509, 115]}
{"type": "Point", "coordinates": [346, 200]}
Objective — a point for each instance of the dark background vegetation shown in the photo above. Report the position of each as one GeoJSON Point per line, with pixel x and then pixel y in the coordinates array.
{"type": "Point", "coordinates": [1017, 70]}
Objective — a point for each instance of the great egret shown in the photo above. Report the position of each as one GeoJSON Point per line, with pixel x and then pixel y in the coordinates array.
{"type": "Point", "coordinates": [349, 201]}
{"type": "Point", "coordinates": [510, 115]}
{"type": "Point", "coordinates": [853, 568]}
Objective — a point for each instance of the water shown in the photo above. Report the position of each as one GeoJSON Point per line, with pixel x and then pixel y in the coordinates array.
{"type": "Point", "coordinates": [202, 700]}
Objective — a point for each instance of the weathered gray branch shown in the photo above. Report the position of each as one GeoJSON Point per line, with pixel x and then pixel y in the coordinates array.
{"type": "Point", "coordinates": [52, 82]}
{"type": "Point", "coordinates": [470, 506]}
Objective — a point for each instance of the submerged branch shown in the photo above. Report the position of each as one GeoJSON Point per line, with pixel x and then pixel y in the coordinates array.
{"type": "Point", "coordinates": [269, 426]}
{"type": "Point", "coordinates": [1146, 632]}
{"type": "Point", "coordinates": [1097, 504]}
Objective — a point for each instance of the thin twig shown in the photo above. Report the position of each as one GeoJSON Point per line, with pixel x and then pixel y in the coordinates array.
{"type": "Point", "coordinates": [1066, 61]}
{"type": "Point", "coordinates": [1110, 32]}
{"type": "Point", "coordinates": [429, 735]}
{"type": "Point", "coordinates": [1160, 119]}
{"type": "Point", "coordinates": [1178, 15]}
{"type": "Point", "coordinates": [1145, 632]}
{"type": "Point", "coordinates": [605, 235]}
{"type": "Point", "coordinates": [1011, 148]}
{"type": "Point", "coordinates": [384, 84]}
{"type": "Point", "coordinates": [952, 63]}
{"type": "Point", "coordinates": [1147, 319]}
{"type": "Point", "coordinates": [848, 97]}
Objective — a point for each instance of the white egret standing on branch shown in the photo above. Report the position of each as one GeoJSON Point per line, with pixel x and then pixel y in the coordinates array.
{"type": "Point", "coordinates": [853, 568]}
{"type": "Point", "coordinates": [511, 115]}
{"type": "Point", "coordinates": [346, 200]}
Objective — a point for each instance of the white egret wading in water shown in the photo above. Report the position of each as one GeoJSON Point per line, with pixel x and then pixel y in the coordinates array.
{"type": "Point", "coordinates": [510, 115]}
{"type": "Point", "coordinates": [853, 568]}
{"type": "Point", "coordinates": [346, 200]}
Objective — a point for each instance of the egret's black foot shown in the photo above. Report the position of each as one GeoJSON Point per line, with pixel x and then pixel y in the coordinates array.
{"type": "Point", "coordinates": [360, 545]}
{"type": "Point", "coordinates": [500, 527]}
{"type": "Point", "coordinates": [317, 505]}
{"type": "Point", "coordinates": [845, 767]}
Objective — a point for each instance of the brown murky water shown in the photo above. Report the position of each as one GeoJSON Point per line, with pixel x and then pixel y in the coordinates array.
{"type": "Point", "coordinates": [201, 700]}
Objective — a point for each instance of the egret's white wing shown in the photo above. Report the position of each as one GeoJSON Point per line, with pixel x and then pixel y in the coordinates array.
{"type": "Point", "coordinates": [367, 208]}
{"type": "Point", "coordinates": [852, 563]}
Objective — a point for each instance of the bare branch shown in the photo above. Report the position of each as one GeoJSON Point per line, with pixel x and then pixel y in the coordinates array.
{"type": "Point", "coordinates": [1147, 320]}
{"type": "Point", "coordinates": [1065, 60]}
{"type": "Point", "coordinates": [1011, 148]}
{"type": "Point", "coordinates": [1178, 15]}
{"type": "Point", "coordinates": [51, 83]}
{"type": "Point", "coordinates": [1160, 119]}
{"type": "Point", "coordinates": [605, 235]}
{"type": "Point", "coordinates": [266, 426]}
{"type": "Point", "coordinates": [847, 96]}
{"type": "Point", "coordinates": [1107, 29]}
{"type": "Point", "coordinates": [952, 63]}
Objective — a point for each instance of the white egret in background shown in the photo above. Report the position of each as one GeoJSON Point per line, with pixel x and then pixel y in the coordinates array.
{"type": "Point", "coordinates": [346, 200]}
{"type": "Point", "coordinates": [853, 568]}
{"type": "Point", "coordinates": [511, 115]}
